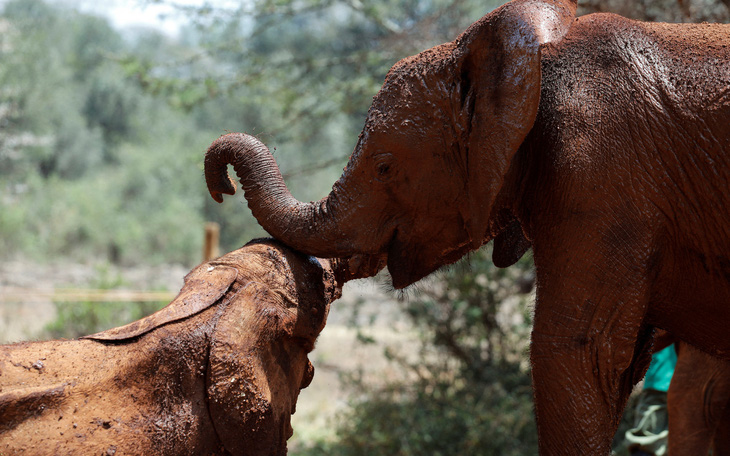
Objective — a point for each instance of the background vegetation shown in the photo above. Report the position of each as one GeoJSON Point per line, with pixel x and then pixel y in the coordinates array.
{"type": "Point", "coordinates": [101, 140]}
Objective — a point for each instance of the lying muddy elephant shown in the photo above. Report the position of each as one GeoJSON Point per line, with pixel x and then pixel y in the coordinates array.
{"type": "Point", "coordinates": [601, 142]}
{"type": "Point", "coordinates": [217, 371]}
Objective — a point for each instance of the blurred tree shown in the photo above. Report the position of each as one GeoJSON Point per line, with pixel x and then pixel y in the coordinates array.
{"type": "Point", "coordinates": [91, 166]}
{"type": "Point", "coordinates": [468, 390]}
{"type": "Point", "coordinates": [93, 40]}
{"type": "Point", "coordinates": [46, 92]}
{"type": "Point", "coordinates": [110, 105]}
{"type": "Point", "coordinates": [312, 61]}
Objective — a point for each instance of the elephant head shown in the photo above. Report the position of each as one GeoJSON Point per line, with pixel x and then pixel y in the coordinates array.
{"type": "Point", "coordinates": [271, 303]}
{"type": "Point", "coordinates": [430, 163]}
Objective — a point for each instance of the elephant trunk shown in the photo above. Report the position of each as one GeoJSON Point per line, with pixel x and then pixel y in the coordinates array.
{"type": "Point", "coordinates": [314, 228]}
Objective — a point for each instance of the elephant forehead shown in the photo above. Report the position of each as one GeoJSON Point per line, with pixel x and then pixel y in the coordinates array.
{"type": "Point", "coordinates": [288, 273]}
{"type": "Point", "coordinates": [416, 93]}
{"type": "Point", "coordinates": [260, 316]}
{"type": "Point", "coordinates": [258, 261]}
{"type": "Point", "coordinates": [428, 62]}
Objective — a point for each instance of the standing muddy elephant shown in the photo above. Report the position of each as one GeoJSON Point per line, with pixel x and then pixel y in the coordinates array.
{"type": "Point", "coordinates": [601, 142]}
{"type": "Point", "coordinates": [217, 371]}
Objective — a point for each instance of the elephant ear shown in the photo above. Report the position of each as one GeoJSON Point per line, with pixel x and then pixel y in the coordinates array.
{"type": "Point", "coordinates": [509, 246]}
{"type": "Point", "coordinates": [203, 287]}
{"type": "Point", "coordinates": [244, 398]}
{"type": "Point", "coordinates": [500, 92]}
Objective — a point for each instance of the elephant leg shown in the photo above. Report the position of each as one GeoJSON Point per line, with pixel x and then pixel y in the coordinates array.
{"type": "Point", "coordinates": [721, 440]}
{"type": "Point", "coordinates": [689, 430]}
{"type": "Point", "coordinates": [699, 404]}
{"type": "Point", "coordinates": [589, 347]}
{"type": "Point", "coordinates": [578, 404]}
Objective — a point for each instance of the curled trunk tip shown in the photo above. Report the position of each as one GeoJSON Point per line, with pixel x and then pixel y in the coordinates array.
{"type": "Point", "coordinates": [221, 153]}
{"type": "Point", "coordinates": [308, 227]}
{"type": "Point", "coordinates": [325, 228]}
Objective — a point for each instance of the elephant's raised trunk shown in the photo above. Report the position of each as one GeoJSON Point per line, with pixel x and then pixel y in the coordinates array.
{"type": "Point", "coordinates": [314, 228]}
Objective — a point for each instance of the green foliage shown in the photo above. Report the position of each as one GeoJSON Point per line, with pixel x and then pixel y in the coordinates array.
{"type": "Point", "coordinates": [306, 63]}
{"type": "Point", "coordinates": [468, 390]}
{"type": "Point", "coordinates": [438, 418]}
{"type": "Point", "coordinates": [476, 312]}
{"type": "Point", "coordinates": [91, 166]}
{"type": "Point", "coordinates": [110, 105]}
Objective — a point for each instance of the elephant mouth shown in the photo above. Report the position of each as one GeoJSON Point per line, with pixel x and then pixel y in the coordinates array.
{"type": "Point", "coordinates": [399, 264]}
{"type": "Point", "coordinates": [403, 277]}
{"type": "Point", "coordinates": [410, 261]}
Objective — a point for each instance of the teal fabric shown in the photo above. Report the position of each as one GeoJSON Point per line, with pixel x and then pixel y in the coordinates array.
{"type": "Point", "coordinates": [661, 369]}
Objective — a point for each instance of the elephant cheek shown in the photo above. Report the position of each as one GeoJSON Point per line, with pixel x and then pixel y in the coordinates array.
{"type": "Point", "coordinates": [242, 411]}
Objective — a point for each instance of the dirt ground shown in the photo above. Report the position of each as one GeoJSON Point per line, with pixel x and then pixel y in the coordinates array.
{"type": "Point", "coordinates": [338, 350]}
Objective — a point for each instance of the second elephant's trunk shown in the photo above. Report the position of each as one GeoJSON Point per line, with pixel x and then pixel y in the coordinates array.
{"type": "Point", "coordinates": [315, 228]}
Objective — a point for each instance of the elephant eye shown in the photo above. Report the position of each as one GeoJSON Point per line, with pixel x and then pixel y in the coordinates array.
{"type": "Point", "coordinates": [383, 166]}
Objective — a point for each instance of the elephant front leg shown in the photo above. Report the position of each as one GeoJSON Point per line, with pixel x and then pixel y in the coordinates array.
{"type": "Point", "coordinates": [585, 360]}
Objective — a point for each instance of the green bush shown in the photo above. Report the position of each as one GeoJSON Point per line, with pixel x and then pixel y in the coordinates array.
{"type": "Point", "coordinates": [468, 390]}
{"type": "Point", "coordinates": [440, 418]}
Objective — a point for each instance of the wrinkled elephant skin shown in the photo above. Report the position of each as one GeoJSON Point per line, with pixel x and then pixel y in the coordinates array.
{"type": "Point", "coordinates": [217, 371]}
{"type": "Point", "coordinates": [698, 404]}
{"type": "Point", "coordinates": [603, 143]}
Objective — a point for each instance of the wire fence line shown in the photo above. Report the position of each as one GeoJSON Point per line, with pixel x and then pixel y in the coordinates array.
{"type": "Point", "coordinates": [26, 295]}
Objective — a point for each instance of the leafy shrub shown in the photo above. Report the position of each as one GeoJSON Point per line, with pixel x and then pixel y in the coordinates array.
{"type": "Point", "coordinates": [468, 390]}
